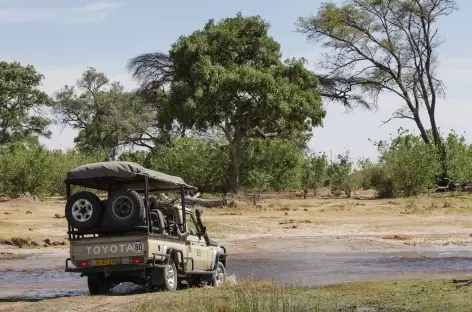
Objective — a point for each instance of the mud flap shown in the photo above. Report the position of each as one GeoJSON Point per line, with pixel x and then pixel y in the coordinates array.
{"type": "Point", "coordinates": [157, 278]}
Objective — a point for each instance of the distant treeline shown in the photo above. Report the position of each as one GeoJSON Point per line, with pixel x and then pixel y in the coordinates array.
{"type": "Point", "coordinates": [406, 166]}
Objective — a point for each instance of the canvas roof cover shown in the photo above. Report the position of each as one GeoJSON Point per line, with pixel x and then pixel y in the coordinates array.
{"type": "Point", "coordinates": [111, 175]}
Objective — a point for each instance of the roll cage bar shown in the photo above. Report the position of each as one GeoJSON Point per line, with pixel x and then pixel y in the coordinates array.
{"type": "Point", "coordinates": [111, 175]}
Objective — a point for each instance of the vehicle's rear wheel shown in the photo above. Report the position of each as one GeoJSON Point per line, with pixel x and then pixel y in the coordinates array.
{"type": "Point", "coordinates": [169, 276]}
{"type": "Point", "coordinates": [219, 276]}
{"type": "Point", "coordinates": [83, 210]}
{"type": "Point", "coordinates": [98, 284]}
{"type": "Point", "coordinates": [126, 208]}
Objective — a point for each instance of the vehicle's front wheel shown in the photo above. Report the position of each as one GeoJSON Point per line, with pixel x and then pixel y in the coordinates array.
{"type": "Point", "coordinates": [98, 284]}
{"type": "Point", "coordinates": [219, 275]}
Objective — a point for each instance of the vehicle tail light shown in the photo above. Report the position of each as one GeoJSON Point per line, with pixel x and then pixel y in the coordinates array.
{"type": "Point", "coordinates": [83, 263]}
{"type": "Point", "coordinates": [137, 260]}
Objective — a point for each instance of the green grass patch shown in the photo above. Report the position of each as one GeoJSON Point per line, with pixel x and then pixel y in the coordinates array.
{"type": "Point", "coordinates": [210, 196]}
{"type": "Point", "coordinates": [252, 296]}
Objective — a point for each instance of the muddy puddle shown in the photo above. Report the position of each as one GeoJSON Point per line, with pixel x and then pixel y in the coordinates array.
{"type": "Point", "coordinates": [42, 276]}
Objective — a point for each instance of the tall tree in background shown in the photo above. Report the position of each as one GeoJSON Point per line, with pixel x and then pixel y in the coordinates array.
{"type": "Point", "coordinates": [106, 116]}
{"type": "Point", "coordinates": [21, 104]}
{"type": "Point", "coordinates": [230, 76]}
{"type": "Point", "coordinates": [384, 45]}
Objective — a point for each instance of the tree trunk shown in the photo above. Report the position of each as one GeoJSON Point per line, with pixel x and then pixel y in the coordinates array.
{"type": "Point", "coordinates": [439, 144]}
{"type": "Point", "coordinates": [235, 158]}
{"type": "Point", "coordinates": [436, 138]}
{"type": "Point", "coordinates": [419, 124]}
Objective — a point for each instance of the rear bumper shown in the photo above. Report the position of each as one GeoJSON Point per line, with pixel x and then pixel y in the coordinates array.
{"type": "Point", "coordinates": [112, 268]}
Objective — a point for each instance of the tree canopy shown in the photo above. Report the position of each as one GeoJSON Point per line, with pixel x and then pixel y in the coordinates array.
{"type": "Point", "coordinates": [22, 104]}
{"type": "Point", "coordinates": [106, 116]}
{"type": "Point", "coordinates": [230, 76]}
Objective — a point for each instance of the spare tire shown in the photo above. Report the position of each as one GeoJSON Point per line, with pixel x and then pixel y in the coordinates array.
{"type": "Point", "coordinates": [125, 208]}
{"type": "Point", "coordinates": [83, 210]}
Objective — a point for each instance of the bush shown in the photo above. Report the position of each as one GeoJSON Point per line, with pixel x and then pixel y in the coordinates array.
{"type": "Point", "coordinates": [313, 173]}
{"type": "Point", "coordinates": [341, 176]}
{"type": "Point", "coordinates": [202, 163]}
{"type": "Point", "coordinates": [36, 170]}
{"type": "Point", "coordinates": [459, 158]}
{"type": "Point", "coordinates": [407, 166]}
{"type": "Point", "coordinates": [279, 161]}
{"type": "Point", "coordinates": [379, 179]}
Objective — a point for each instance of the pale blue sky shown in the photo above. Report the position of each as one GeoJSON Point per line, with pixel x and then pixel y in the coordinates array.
{"type": "Point", "coordinates": [61, 38]}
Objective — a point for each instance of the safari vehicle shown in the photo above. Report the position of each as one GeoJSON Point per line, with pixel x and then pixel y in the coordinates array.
{"type": "Point", "coordinates": [131, 236]}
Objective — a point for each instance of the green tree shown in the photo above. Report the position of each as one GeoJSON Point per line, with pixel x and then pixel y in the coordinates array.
{"type": "Point", "coordinates": [459, 158]}
{"type": "Point", "coordinates": [313, 173]}
{"type": "Point", "coordinates": [257, 181]}
{"type": "Point", "coordinates": [230, 76]}
{"type": "Point", "coordinates": [37, 170]}
{"type": "Point", "coordinates": [340, 175]}
{"type": "Point", "coordinates": [384, 45]}
{"type": "Point", "coordinates": [278, 159]}
{"type": "Point", "coordinates": [202, 163]}
{"type": "Point", "coordinates": [21, 103]}
{"type": "Point", "coordinates": [106, 116]}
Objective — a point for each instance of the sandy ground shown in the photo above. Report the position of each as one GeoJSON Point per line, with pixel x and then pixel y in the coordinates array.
{"type": "Point", "coordinates": [278, 222]}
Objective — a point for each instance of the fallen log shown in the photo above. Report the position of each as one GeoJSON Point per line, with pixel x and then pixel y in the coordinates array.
{"type": "Point", "coordinates": [164, 201]}
{"type": "Point", "coordinates": [207, 203]}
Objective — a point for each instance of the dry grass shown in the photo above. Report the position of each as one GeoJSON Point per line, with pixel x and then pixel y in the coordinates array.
{"type": "Point", "coordinates": [285, 214]}
{"type": "Point", "coordinates": [441, 215]}
{"type": "Point", "coordinates": [11, 256]}
{"type": "Point", "coordinates": [251, 295]}
{"type": "Point", "coordinates": [31, 221]}
{"type": "Point", "coordinates": [424, 296]}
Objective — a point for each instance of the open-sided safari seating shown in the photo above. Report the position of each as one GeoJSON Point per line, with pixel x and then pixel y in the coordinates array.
{"type": "Point", "coordinates": [132, 236]}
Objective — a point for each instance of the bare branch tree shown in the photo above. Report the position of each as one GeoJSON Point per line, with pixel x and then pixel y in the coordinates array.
{"type": "Point", "coordinates": [383, 46]}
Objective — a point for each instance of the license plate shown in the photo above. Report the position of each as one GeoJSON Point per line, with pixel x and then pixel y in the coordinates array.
{"type": "Point", "coordinates": [107, 262]}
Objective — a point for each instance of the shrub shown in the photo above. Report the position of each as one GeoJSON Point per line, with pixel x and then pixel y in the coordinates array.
{"type": "Point", "coordinates": [407, 166]}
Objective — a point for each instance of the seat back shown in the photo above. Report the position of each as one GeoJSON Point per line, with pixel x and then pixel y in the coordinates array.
{"type": "Point", "coordinates": [159, 221]}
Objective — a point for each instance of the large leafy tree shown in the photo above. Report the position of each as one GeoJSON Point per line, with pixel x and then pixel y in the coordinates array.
{"type": "Point", "coordinates": [376, 46]}
{"type": "Point", "coordinates": [22, 103]}
{"type": "Point", "coordinates": [230, 76]}
{"type": "Point", "coordinates": [106, 116]}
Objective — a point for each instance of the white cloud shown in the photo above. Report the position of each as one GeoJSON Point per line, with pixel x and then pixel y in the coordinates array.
{"type": "Point", "coordinates": [94, 12]}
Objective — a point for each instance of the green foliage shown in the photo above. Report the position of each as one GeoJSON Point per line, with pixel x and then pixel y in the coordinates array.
{"type": "Point", "coordinates": [341, 176]}
{"type": "Point", "coordinates": [229, 75]}
{"type": "Point", "coordinates": [21, 103]}
{"type": "Point", "coordinates": [257, 180]}
{"type": "Point", "coordinates": [376, 46]}
{"type": "Point", "coordinates": [278, 160]}
{"type": "Point", "coordinates": [37, 170]}
{"type": "Point", "coordinates": [408, 166]}
{"type": "Point", "coordinates": [105, 115]}
{"type": "Point", "coordinates": [313, 172]}
{"type": "Point", "coordinates": [378, 178]}
{"type": "Point", "coordinates": [140, 157]}
{"type": "Point", "coordinates": [459, 158]}
{"type": "Point", "coordinates": [200, 163]}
